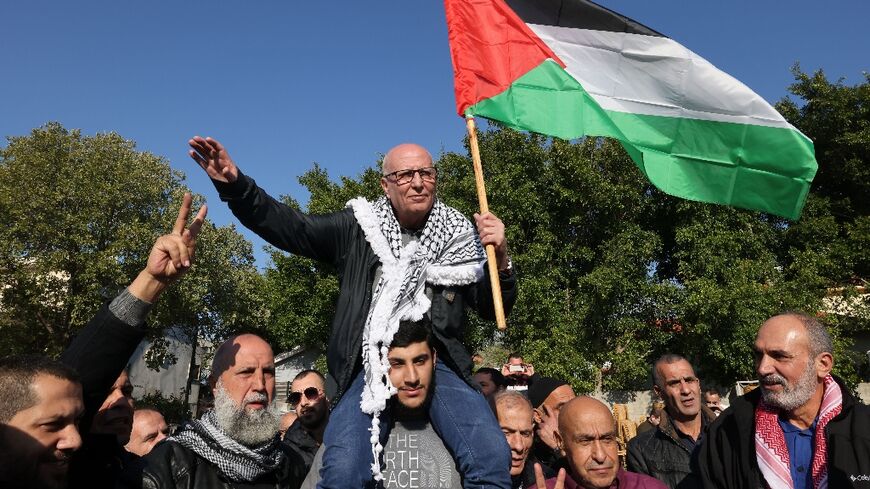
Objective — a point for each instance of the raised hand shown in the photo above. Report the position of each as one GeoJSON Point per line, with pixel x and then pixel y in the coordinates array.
{"type": "Point", "coordinates": [541, 483]}
{"type": "Point", "coordinates": [171, 256]}
{"type": "Point", "coordinates": [211, 156]}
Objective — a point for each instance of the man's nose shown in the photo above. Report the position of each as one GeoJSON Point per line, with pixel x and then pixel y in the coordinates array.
{"type": "Point", "coordinates": [412, 377]}
{"type": "Point", "coordinates": [515, 442]}
{"type": "Point", "coordinates": [765, 366]}
{"type": "Point", "coordinates": [70, 440]}
{"type": "Point", "coordinates": [598, 452]}
{"type": "Point", "coordinates": [416, 180]}
{"type": "Point", "coordinates": [259, 382]}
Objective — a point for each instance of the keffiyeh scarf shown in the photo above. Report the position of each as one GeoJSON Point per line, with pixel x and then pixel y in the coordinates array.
{"type": "Point", "coordinates": [771, 450]}
{"type": "Point", "coordinates": [448, 252]}
{"type": "Point", "coordinates": [235, 461]}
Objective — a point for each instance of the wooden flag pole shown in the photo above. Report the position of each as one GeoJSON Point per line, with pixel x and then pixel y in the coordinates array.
{"type": "Point", "coordinates": [484, 207]}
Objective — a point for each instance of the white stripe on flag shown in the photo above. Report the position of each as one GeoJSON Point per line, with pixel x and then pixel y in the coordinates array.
{"type": "Point", "coordinates": [652, 75]}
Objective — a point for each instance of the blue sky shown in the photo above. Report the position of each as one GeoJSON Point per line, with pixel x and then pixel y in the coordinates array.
{"type": "Point", "coordinates": [284, 84]}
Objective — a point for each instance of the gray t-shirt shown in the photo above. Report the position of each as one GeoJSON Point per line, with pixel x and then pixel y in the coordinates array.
{"type": "Point", "coordinates": [415, 457]}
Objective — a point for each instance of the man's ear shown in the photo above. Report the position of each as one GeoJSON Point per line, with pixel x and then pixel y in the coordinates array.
{"type": "Point", "coordinates": [434, 355]}
{"type": "Point", "coordinates": [559, 444]}
{"type": "Point", "coordinates": [824, 364]}
{"type": "Point", "coordinates": [537, 414]}
{"type": "Point", "coordinates": [657, 391]}
{"type": "Point", "coordinates": [384, 185]}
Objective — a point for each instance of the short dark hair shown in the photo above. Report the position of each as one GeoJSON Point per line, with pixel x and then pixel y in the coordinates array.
{"type": "Point", "coordinates": [495, 375]}
{"type": "Point", "coordinates": [307, 372]}
{"type": "Point", "coordinates": [410, 332]}
{"type": "Point", "coordinates": [515, 355]}
{"type": "Point", "coordinates": [711, 390]}
{"type": "Point", "coordinates": [667, 358]}
{"type": "Point", "coordinates": [17, 374]}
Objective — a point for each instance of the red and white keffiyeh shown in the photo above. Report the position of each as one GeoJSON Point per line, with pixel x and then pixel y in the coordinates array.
{"type": "Point", "coordinates": [772, 452]}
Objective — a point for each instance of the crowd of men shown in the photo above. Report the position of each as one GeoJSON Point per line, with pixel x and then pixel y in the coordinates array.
{"type": "Point", "coordinates": [408, 411]}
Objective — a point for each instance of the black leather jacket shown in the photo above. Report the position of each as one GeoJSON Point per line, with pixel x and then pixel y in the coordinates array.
{"type": "Point", "coordinates": [338, 239]}
{"type": "Point", "coordinates": [660, 453]}
{"type": "Point", "coordinates": [171, 465]}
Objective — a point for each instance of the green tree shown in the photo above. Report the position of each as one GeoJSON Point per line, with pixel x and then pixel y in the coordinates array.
{"type": "Point", "coordinates": [79, 216]}
{"type": "Point", "coordinates": [613, 270]}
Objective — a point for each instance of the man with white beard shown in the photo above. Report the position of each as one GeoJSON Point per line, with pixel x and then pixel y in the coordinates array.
{"type": "Point", "coordinates": [801, 428]}
{"type": "Point", "coordinates": [236, 444]}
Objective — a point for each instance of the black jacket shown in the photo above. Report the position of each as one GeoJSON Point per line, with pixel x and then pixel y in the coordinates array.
{"type": "Point", "coordinates": [99, 353]}
{"type": "Point", "coordinates": [660, 453]}
{"type": "Point", "coordinates": [338, 239]}
{"type": "Point", "coordinates": [727, 457]}
{"type": "Point", "coordinates": [298, 440]}
{"type": "Point", "coordinates": [170, 465]}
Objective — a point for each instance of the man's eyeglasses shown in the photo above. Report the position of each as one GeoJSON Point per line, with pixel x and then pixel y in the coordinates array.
{"type": "Point", "coordinates": [404, 177]}
{"type": "Point", "coordinates": [311, 393]}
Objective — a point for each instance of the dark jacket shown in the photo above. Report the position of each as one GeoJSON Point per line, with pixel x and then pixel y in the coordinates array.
{"type": "Point", "coordinates": [727, 457]}
{"type": "Point", "coordinates": [337, 239]}
{"type": "Point", "coordinates": [301, 442]}
{"type": "Point", "coordinates": [661, 454]}
{"type": "Point", "coordinates": [171, 465]}
{"type": "Point", "coordinates": [99, 353]}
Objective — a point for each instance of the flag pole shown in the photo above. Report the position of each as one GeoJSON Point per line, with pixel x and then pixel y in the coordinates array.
{"type": "Point", "coordinates": [484, 208]}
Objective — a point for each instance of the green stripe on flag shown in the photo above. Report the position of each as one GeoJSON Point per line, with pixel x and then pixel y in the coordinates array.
{"type": "Point", "coordinates": [756, 167]}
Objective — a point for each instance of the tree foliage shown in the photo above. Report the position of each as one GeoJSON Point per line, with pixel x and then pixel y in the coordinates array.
{"type": "Point", "coordinates": [79, 216]}
{"type": "Point", "coordinates": [612, 270]}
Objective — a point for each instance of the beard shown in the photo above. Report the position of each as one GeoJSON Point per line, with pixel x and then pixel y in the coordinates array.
{"type": "Point", "coordinates": [250, 428]}
{"type": "Point", "coordinates": [790, 397]}
{"type": "Point", "coordinates": [313, 417]}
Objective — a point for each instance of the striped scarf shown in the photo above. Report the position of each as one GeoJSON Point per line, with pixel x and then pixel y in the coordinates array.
{"type": "Point", "coordinates": [771, 450]}
{"type": "Point", "coordinates": [448, 252]}
{"type": "Point", "coordinates": [236, 462]}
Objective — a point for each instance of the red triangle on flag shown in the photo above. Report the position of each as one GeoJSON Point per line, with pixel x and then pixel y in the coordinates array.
{"type": "Point", "coordinates": [490, 47]}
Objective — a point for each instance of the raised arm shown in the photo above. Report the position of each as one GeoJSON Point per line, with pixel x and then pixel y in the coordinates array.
{"type": "Point", "coordinates": [102, 348]}
{"type": "Point", "coordinates": [319, 237]}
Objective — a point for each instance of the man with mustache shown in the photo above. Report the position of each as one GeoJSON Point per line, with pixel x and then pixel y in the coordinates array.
{"type": "Point", "coordinates": [400, 257]}
{"type": "Point", "coordinates": [308, 398]}
{"type": "Point", "coordinates": [516, 419]}
{"type": "Point", "coordinates": [587, 437]}
{"type": "Point", "coordinates": [801, 428]}
{"type": "Point", "coordinates": [236, 444]}
{"type": "Point", "coordinates": [666, 452]}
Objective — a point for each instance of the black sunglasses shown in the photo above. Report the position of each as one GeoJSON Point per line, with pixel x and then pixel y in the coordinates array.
{"type": "Point", "coordinates": [311, 393]}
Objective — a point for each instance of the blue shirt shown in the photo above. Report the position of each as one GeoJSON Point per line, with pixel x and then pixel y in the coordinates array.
{"type": "Point", "coordinates": [800, 453]}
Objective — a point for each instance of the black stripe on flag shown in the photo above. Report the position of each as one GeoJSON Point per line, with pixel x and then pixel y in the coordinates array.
{"type": "Point", "coordinates": [578, 14]}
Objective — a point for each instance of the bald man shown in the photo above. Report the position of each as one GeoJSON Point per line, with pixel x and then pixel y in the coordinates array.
{"type": "Point", "coordinates": [400, 257]}
{"type": "Point", "coordinates": [587, 436]}
{"type": "Point", "coordinates": [236, 444]}
{"type": "Point", "coordinates": [801, 428]}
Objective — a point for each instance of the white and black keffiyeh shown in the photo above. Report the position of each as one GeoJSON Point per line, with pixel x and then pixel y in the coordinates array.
{"type": "Point", "coordinates": [448, 252]}
{"type": "Point", "coordinates": [235, 461]}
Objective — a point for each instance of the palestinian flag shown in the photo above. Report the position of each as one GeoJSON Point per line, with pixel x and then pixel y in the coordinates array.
{"type": "Point", "coordinates": [571, 68]}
